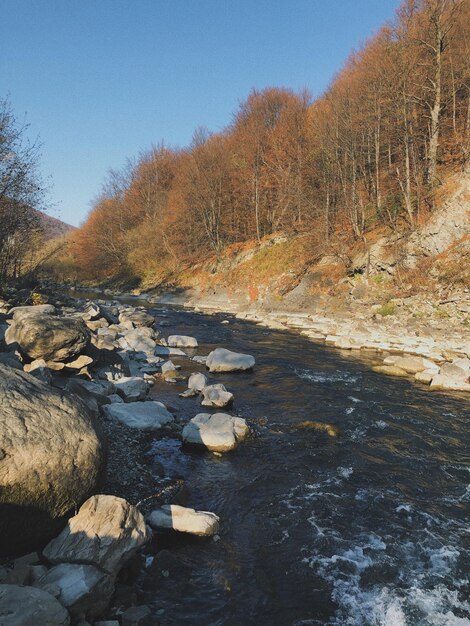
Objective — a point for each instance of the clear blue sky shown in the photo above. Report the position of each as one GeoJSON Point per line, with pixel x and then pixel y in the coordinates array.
{"type": "Point", "coordinates": [100, 80]}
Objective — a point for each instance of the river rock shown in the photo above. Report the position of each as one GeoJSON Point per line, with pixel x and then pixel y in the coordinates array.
{"type": "Point", "coordinates": [141, 339]}
{"type": "Point", "coordinates": [20, 312]}
{"type": "Point", "coordinates": [132, 388]}
{"type": "Point", "coordinates": [82, 589]}
{"type": "Point", "coordinates": [223, 360]}
{"type": "Point", "coordinates": [50, 458]}
{"type": "Point", "coordinates": [454, 376]}
{"type": "Point", "coordinates": [219, 432]}
{"type": "Point", "coordinates": [216, 396]}
{"type": "Point", "coordinates": [197, 381]}
{"type": "Point", "coordinates": [184, 520]}
{"type": "Point", "coordinates": [390, 370]}
{"type": "Point", "coordinates": [165, 351]}
{"type": "Point", "coordinates": [148, 415]}
{"type": "Point", "coordinates": [182, 341]}
{"type": "Point", "coordinates": [49, 338]}
{"type": "Point", "coordinates": [138, 318]}
{"type": "Point", "coordinates": [106, 532]}
{"type": "Point", "coordinates": [28, 606]}
{"type": "Point", "coordinates": [413, 365]}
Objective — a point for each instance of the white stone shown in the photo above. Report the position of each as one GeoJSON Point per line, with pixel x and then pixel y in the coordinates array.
{"type": "Point", "coordinates": [219, 432]}
{"type": "Point", "coordinates": [223, 360]}
{"type": "Point", "coordinates": [197, 381]}
{"type": "Point", "coordinates": [182, 341]}
{"type": "Point", "coordinates": [216, 396]}
{"type": "Point", "coordinates": [184, 520]}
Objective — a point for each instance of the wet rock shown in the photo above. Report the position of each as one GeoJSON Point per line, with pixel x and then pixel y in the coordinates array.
{"type": "Point", "coordinates": [219, 432]}
{"type": "Point", "coordinates": [329, 429]}
{"type": "Point", "coordinates": [132, 388]}
{"type": "Point", "coordinates": [216, 396]}
{"type": "Point", "coordinates": [197, 381]}
{"type": "Point", "coordinates": [184, 520]}
{"type": "Point", "coordinates": [222, 360]}
{"type": "Point", "coordinates": [182, 341]}
{"type": "Point", "coordinates": [51, 458]}
{"type": "Point", "coordinates": [49, 338]}
{"type": "Point", "coordinates": [28, 606]}
{"type": "Point", "coordinates": [188, 393]}
{"type": "Point", "coordinates": [454, 376]}
{"type": "Point", "coordinates": [106, 532]}
{"type": "Point", "coordinates": [148, 415]}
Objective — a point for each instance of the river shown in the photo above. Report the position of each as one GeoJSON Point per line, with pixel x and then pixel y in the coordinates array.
{"type": "Point", "coordinates": [368, 528]}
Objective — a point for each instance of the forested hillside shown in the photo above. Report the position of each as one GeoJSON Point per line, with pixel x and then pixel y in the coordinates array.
{"type": "Point", "coordinates": [370, 153]}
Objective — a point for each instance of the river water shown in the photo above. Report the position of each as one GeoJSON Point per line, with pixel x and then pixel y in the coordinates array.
{"type": "Point", "coordinates": [368, 528]}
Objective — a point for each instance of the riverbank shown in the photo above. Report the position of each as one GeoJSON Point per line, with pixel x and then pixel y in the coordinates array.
{"type": "Point", "coordinates": [436, 334]}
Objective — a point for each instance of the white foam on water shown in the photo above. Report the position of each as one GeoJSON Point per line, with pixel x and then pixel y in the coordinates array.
{"type": "Point", "coordinates": [344, 472]}
{"type": "Point", "coordinates": [326, 377]}
{"type": "Point", "coordinates": [350, 409]}
{"type": "Point", "coordinates": [381, 424]}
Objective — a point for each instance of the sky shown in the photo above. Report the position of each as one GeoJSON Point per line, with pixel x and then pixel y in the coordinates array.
{"type": "Point", "coordinates": [99, 81]}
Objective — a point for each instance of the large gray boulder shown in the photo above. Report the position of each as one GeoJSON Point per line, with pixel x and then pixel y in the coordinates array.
{"type": "Point", "coordinates": [147, 415]}
{"type": "Point", "coordinates": [50, 458]}
{"type": "Point", "coordinates": [106, 532]}
{"type": "Point", "coordinates": [82, 589]}
{"type": "Point", "coordinates": [219, 432]}
{"type": "Point", "coordinates": [28, 606]}
{"type": "Point", "coordinates": [49, 338]}
{"type": "Point", "coordinates": [223, 360]}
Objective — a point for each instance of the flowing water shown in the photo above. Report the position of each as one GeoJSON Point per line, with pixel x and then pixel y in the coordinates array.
{"type": "Point", "coordinates": [368, 528]}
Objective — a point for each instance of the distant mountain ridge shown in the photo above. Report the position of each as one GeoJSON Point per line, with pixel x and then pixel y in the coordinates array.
{"type": "Point", "coordinates": [54, 228]}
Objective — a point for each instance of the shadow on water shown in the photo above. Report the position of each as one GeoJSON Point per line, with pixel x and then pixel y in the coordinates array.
{"type": "Point", "coordinates": [368, 528]}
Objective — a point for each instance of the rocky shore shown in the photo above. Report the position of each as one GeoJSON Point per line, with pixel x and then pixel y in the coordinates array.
{"type": "Point", "coordinates": [80, 510]}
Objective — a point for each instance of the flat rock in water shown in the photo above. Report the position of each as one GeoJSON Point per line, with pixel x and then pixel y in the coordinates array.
{"type": "Point", "coordinates": [390, 370]}
{"type": "Point", "coordinates": [168, 351]}
{"type": "Point", "coordinates": [216, 396]}
{"type": "Point", "coordinates": [182, 341]}
{"type": "Point", "coordinates": [106, 532]}
{"type": "Point", "coordinates": [219, 432]}
{"type": "Point", "coordinates": [83, 589]}
{"type": "Point", "coordinates": [28, 606]}
{"type": "Point", "coordinates": [223, 360]}
{"type": "Point", "coordinates": [184, 520]}
{"type": "Point", "coordinates": [148, 415]}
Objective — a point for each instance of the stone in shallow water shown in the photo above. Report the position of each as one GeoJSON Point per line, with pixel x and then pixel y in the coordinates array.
{"type": "Point", "coordinates": [184, 520]}
{"type": "Point", "coordinates": [182, 341]}
{"type": "Point", "coordinates": [223, 360]}
{"type": "Point", "coordinates": [219, 432]}
{"type": "Point", "coordinates": [216, 396]}
{"type": "Point", "coordinates": [28, 606]}
{"type": "Point", "coordinates": [197, 381]}
{"type": "Point", "coordinates": [148, 415]}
